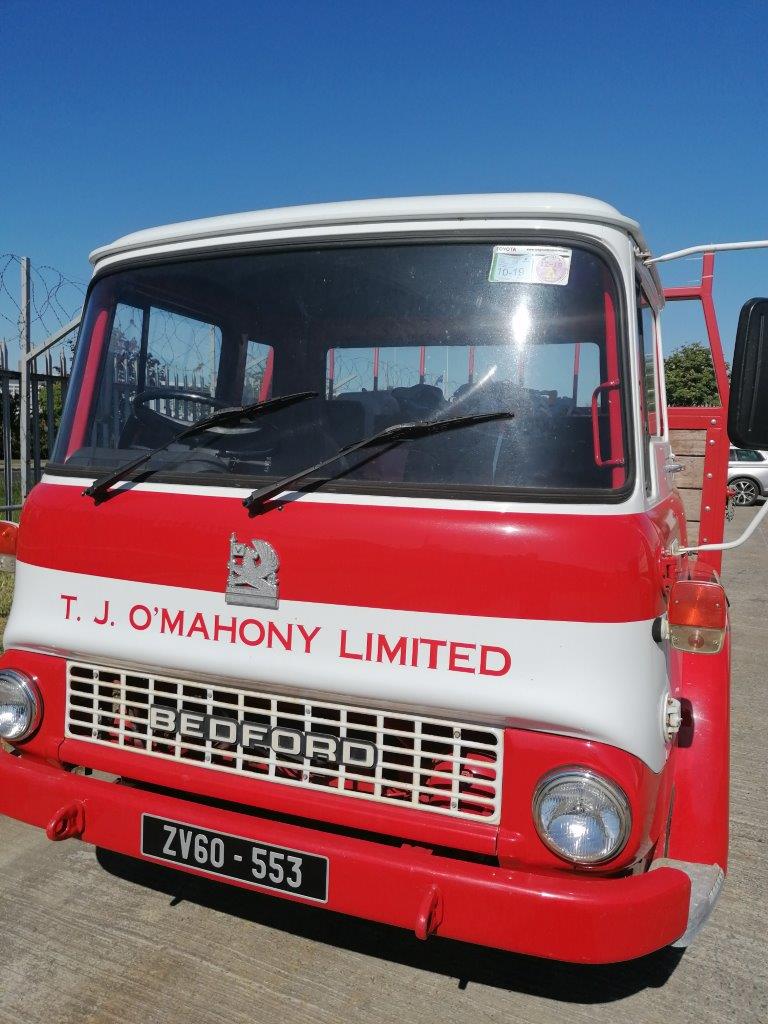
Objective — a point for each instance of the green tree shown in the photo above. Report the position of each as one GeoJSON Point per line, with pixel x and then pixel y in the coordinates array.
{"type": "Point", "coordinates": [14, 406]}
{"type": "Point", "coordinates": [45, 441]}
{"type": "Point", "coordinates": [690, 376]}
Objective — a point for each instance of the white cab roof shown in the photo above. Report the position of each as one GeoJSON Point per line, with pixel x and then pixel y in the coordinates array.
{"type": "Point", "coordinates": [505, 205]}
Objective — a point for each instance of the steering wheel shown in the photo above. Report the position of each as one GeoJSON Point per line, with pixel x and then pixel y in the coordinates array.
{"type": "Point", "coordinates": [141, 399]}
{"type": "Point", "coordinates": [266, 430]}
{"type": "Point", "coordinates": [150, 394]}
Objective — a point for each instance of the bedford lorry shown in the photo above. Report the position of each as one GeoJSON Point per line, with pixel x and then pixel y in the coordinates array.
{"type": "Point", "coordinates": [361, 574]}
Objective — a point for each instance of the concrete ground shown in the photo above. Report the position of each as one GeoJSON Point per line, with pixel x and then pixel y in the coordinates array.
{"type": "Point", "coordinates": [87, 940]}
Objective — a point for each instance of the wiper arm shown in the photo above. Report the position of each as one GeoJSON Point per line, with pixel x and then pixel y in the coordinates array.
{"type": "Point", "coordinates": [391, 435]}
{"type": "Point", "coordinates": [232, 415]}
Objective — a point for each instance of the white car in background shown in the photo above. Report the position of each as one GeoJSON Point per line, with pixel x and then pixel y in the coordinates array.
{"type": "Point", "coordinates": [748, 475]}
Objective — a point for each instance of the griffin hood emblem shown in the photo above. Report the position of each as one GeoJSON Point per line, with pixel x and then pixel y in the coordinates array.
{"type": "Point", "coordinates": [252, 576]}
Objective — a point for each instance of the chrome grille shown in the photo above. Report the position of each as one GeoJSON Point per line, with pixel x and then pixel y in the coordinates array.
{"type": "Point", "coordinates": [432, 764]}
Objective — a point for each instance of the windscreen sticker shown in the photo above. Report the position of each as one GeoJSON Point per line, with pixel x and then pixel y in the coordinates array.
{"type": "Point", "coordinates": [530, 264]}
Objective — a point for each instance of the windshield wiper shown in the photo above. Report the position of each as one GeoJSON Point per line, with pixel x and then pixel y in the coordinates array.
{"type": "Point", "coordinates": [390, 435]}
{"type": "Point", "coordinates": [232, 415]}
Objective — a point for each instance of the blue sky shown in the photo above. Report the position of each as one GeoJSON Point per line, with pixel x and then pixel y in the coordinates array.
{"type": "Point", "coordinates": [117, 116]}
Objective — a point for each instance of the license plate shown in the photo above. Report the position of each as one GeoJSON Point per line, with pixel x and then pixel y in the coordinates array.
{"type": "Point", "coordinates": [222, 855]}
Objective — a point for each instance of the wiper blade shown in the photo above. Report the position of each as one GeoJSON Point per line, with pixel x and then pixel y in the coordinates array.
{"type": "Point", "coordinates": [232, 415]}
{"type": "Point", "coordinates": [390, 435]}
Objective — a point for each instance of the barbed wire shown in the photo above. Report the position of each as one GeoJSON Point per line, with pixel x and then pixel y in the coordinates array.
{"type": "Point", "coordinates": [55, 299]}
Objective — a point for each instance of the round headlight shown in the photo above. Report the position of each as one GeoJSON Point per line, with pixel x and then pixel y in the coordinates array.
{"type": "Point", "coordinates": [20, 706]}
{"type": "Point", "coordinates": [581, 816]}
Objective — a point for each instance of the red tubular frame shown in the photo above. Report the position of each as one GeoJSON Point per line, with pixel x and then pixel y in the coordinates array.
{"type": "Point", "coordinates": [711, 419]}
{"type": "Point", "coordinates": [576, 361]}
{"type": "Point", "coordinates": [265, 388]}
{"type": "Point", "coordinates": [610, 386]}
{"type": "Point", "coordinates": [703, 293]}
{"type": "Point", "coordinates": [617, 459]}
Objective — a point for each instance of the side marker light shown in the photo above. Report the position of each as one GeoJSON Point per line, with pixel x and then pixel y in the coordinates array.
{"type": "Point", "coordinates": [697, 616]}
{"type": "Point", "coordinates": [8, 533]}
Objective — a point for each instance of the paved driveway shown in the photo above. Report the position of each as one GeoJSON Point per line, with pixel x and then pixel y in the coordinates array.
{"type": "Point", "coordinates": [83, 942]}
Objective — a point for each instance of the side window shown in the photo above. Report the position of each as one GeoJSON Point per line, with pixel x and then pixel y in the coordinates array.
{"type": "Point", "coordinates": [747, 455]}
{"type": "Point", "coordinates": [157, 350]}
{"type": "Point", "coordinates": [182, 353]}
{"type": "Point", "coordinates": [119, 376]}
{"type": "Point", "coordinates": [545, 366]}
{"type": "Point", "coordinates": [560, 377]}
{"type": "Point", "coordinates": [650, 377]}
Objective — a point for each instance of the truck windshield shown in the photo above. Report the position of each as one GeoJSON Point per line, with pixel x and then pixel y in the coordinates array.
{"type": "Point", "coordinates": [385, 334]}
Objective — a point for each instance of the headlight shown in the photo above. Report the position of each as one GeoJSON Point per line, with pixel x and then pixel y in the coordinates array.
{"type": "Point", "coordinates": [20, 706]}
{"type": "Point", "coordinates": [581, 816]}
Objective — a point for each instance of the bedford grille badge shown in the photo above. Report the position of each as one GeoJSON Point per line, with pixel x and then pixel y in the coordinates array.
{"type": "Point", "coordinates": [252, 576]}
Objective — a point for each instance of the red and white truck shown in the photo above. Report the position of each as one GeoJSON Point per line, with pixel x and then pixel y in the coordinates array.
{"type": "Point", "coordinates": [361, 574]}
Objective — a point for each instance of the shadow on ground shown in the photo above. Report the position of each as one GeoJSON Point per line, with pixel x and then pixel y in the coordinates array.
{"type": "Point", "coordinates": [568, 983]}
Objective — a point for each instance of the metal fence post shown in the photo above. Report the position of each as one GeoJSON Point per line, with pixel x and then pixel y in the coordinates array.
{"type": "Point", "coordinates": [5, 402]}
{"type": "Point", "coordinates": [24, 345]}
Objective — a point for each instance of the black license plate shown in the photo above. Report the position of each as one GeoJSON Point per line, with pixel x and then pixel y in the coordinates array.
{"type": "Point", "coordinates": [226, 856]}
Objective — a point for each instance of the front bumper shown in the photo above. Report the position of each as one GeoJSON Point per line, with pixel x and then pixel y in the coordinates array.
{"type": "Point", "coordinates": [563, 917]}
